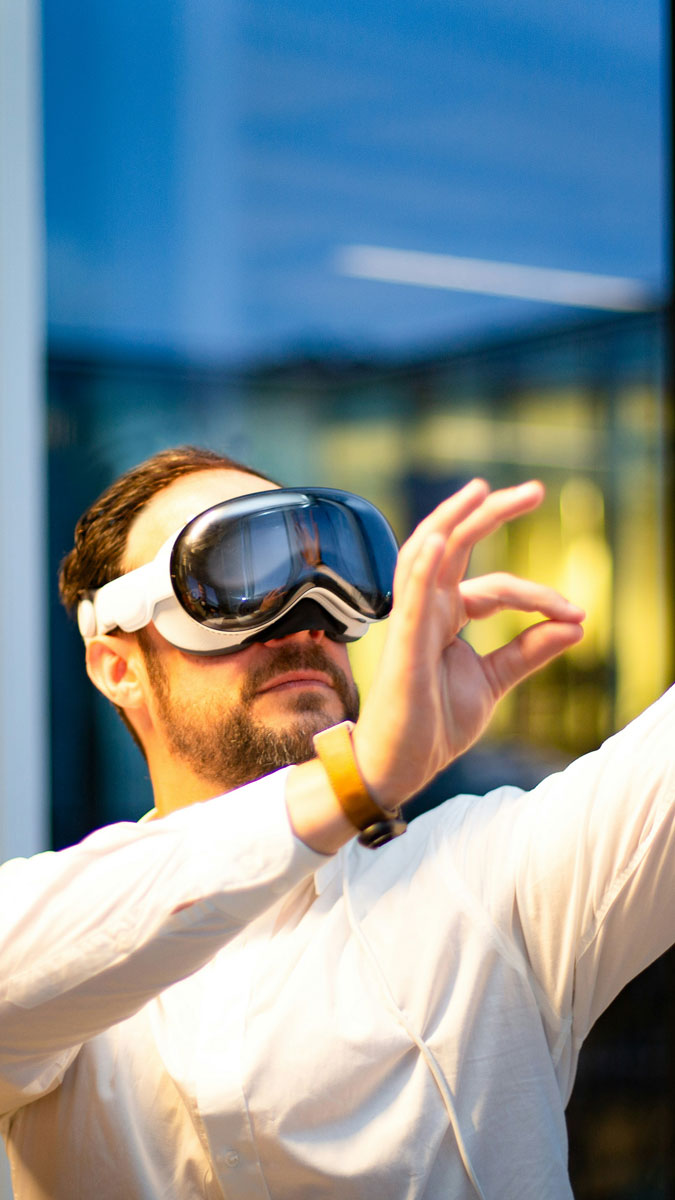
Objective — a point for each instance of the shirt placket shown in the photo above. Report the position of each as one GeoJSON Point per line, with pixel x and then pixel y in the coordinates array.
{"type": "Point", "coordinates": [218, 1079]}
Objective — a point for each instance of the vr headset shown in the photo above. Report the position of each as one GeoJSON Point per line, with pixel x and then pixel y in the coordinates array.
{"type": "Point", "coordinates": [258, 567]}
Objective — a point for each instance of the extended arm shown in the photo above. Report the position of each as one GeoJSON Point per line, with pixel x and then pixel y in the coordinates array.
{"type": "Point", "coordinates": [575, 878]}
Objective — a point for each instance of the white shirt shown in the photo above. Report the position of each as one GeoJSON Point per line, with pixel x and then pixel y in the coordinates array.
{"type": "Point", "coordinates": [203, 1007]}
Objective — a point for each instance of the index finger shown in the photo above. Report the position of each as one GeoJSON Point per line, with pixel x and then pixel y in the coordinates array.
{"type": "Point", "coordinates": [497, 508]}
{"type": "Point", "coordinates": [442, 520]}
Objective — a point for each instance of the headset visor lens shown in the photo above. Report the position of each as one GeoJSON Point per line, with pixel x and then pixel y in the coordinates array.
{"type": "Point", "coordinates": [248, 560]}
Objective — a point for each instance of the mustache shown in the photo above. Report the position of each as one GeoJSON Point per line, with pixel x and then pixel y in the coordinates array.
{"type": "Point", "coordinates": [296, 658]}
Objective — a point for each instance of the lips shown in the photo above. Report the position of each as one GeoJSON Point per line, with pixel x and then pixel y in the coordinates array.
{"type": "Point", "coordinates": [298, 679]}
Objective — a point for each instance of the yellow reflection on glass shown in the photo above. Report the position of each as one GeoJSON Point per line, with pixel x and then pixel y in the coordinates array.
{"type": "Point", "coordinates": [585, 573]}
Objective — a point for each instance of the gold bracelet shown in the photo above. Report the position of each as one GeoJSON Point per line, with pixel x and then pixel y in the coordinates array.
{"type": "Point", "coordinates": [335, 751]}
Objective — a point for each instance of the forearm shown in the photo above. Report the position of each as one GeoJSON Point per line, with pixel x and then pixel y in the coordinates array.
{"type": "Point", "coordinates": [595, 890]}
{"type": "Point", "coordinates": [89, 934]}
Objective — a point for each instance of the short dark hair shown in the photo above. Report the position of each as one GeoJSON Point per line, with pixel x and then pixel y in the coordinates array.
{"type": "Point", "coordinates": [101, 532]}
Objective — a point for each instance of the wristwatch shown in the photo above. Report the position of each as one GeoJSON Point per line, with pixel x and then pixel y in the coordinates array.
{"type": "Point", "coordinates": [335, 750]}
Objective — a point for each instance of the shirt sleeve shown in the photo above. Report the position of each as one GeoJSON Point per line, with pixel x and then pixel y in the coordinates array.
{"type": "Point", "coordinates": [89, 934]}
{"type": "Point", "coordinates": [592, 854]}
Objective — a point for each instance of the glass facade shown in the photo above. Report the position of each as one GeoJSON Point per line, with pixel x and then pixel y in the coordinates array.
{"type": "Point", "coordinates": [211, 168]}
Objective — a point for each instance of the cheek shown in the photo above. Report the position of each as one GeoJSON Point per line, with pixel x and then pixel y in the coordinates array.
{"type": "Point", "coordinates": [198, 683]}
{"type": "Point", "coordinates": [215, 671]}
{"type": "Point", "coordinates": [216, 685]}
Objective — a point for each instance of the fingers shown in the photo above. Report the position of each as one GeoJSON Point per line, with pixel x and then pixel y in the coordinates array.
{"type": "Point", "coordinates": [489, 594]}
{"type": "Point", "coordinates": [441, 521]}
{"type": "Point", "coordinates": [433, 561]}
{"type": "Point", "coordinates": [497, 508]}
{"type": "Point", "coordinates": [528, 652]}
{"type": "Point", "coordinates": [534, 647]}
{"type": "Point", "coordinates": [422, 579]}
{"type": "Point", "coordinates": [464, 519]}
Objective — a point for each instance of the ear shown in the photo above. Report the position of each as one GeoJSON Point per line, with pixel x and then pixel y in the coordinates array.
{"type": "Point", "coordinates": [113, 667]}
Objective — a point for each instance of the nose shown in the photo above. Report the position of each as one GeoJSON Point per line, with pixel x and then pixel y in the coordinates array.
{"type": "Point", "coordinates": [302, 636]}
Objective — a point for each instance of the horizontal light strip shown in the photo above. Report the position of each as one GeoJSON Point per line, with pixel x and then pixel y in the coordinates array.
{"type": "Point", "coordinates": [576, 288]}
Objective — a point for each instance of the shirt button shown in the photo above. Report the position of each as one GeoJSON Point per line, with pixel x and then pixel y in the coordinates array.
{"type": "Point", "coordinates": [231, 1159]}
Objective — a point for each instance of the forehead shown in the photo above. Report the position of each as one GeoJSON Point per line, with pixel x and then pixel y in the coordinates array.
{"type": "Point", "coordinates": [171, 509]}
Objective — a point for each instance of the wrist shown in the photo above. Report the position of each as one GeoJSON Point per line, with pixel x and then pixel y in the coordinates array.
{"type": "Point", "coordinates": [336, 752]}
{"type": "Point", "coordinates": [316, 817]}
{"type": "Point", "coordinates": [369, 759]}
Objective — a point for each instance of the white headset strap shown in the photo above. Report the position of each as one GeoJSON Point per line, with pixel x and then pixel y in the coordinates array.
{"type": "Point", "coordinates": [129, 601]}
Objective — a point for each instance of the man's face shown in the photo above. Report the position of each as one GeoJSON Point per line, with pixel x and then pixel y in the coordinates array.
{"type": "Point", "coordinates": [233, 718]}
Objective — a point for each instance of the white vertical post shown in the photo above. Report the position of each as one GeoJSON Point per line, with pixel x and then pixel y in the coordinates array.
{"type": "Point", "coordinates": [23, 607]}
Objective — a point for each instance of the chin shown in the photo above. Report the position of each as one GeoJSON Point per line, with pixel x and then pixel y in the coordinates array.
{"type": "Point", "coordinates": [311, 720]}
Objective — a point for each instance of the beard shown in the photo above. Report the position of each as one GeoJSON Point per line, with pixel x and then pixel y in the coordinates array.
{"type": "Point", "coordinates": [226, 744]}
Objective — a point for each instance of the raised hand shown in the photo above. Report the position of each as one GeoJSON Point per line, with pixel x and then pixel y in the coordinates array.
{"type": "Point", "coordinates": [433, 694]}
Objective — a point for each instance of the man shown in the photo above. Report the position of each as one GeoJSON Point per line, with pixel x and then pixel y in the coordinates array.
{"type": "Point", "coordinates": [240, 998]}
